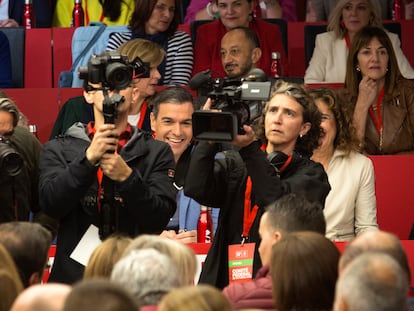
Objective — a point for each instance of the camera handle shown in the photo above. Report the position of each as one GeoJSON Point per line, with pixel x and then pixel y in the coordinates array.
{"type": "Point", "coordinates": [110, 106]}
{"type": "Point", "coordinates": [110, 201]}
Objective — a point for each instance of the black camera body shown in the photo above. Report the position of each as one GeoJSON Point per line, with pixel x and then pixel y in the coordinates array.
{"type": "Point", "coordinates": [113, 70]}
{"type": "Point", "coordinates": [239, 101]}
{"type": "Point", "coordinates": [11, 161]}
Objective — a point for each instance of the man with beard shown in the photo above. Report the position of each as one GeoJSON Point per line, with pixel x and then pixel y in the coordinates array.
{"type": "Point", "coordinates": [240, 52]}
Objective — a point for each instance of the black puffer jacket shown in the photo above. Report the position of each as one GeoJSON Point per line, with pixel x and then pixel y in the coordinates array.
{"type": "Point", "coordinates": [221, 183]}
{"type": "Point", "coordinates": [68, 191]}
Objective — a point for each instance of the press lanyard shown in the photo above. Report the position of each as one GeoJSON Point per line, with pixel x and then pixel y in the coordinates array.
{"type": "Point", "coordinates": [376, 113]}
{"type": "Point", "coordinates": [142, 115]}
{"type": "Point", "coordinates": [251, 213]}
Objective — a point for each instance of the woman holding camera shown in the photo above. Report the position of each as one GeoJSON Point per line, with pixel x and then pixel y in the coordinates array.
{"type": "Point", "coordinates": [242, 183]}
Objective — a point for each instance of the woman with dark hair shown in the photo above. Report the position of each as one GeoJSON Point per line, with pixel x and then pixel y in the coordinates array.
{"type": "Point", "coordinates": [381, 100]}
{"type": "Point", "coordinates": [244, 182]}
{"type": "Point", "coordinates": [350, 207]}
{"type": "Point", "coordinates": [234, 14]}
{"type": "Point", "coordinates": [109, 12]}
{"type": "Point", "coordinates": [328, 62]}
{"type": "Point", "coordinates": [304, 269]}
{"type": "Point", "coordinates": [157, 21]}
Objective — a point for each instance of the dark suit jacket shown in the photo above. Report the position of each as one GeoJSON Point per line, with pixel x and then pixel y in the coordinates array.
{"type": "Point", "coordinates": [43, 10]}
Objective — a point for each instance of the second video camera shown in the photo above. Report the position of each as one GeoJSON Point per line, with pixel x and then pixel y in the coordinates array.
{"type": "Point", "coordinates": [239, 102]}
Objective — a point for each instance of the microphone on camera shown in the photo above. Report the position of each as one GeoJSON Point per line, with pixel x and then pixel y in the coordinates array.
{"type": "Point", "coordinates": [257, 75]}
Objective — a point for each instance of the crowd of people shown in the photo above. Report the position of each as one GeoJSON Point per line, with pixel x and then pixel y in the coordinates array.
{"type": "Point", "coordinates": [119, 186]}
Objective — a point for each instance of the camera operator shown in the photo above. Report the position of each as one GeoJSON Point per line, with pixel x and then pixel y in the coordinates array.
{"type": "Point", "coordinates": [105, 158]}
{"type": "Point", "coordinates": [246, 181]}
{"type": "Point", "coordinates": [19, 159]}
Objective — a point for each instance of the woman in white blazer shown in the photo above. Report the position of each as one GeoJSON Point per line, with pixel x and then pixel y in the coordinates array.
{"type": "Point", "coordinates": [328, 63]}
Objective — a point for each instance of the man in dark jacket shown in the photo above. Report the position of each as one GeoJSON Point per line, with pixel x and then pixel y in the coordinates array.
{"type": "Point", "coordinates": [106, 175]}
{"type": "Point", "coordinates": [18, 178]}
{"type": "Point", "coordinates": [290, 213]}
{"type": "Point", "coordinates": [291, 128]}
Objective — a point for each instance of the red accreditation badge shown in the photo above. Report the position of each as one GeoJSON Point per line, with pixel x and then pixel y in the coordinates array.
{"type": "Point", "coordinates": [241, 262]}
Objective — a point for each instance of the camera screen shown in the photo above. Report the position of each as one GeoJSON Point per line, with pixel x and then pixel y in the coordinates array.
{"type": "Point", "coordinates": [214, 126]}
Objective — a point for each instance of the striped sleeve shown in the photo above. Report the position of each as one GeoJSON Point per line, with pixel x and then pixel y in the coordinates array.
{"type": "Point", "coordinates": [116, 39]}
{"type": "Point", "coordinates": [179, 63]}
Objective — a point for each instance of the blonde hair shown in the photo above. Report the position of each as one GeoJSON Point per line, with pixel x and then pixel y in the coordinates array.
{"type": "Point", "coordinates": [335, 18]}
{"type": "Point", "coordinates": [105, 256]}
{"type": "Point", "coordinates": [182, 256]}
{"type": "Point", "coordinates": [201, 297]}
{"type": "Point", "coordinates": [146, 50]}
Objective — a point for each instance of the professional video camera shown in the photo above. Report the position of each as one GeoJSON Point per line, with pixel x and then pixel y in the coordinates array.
{"type": "Point", "coordinates": [239, 102]}
{"type": "Point", "coordinates": [10, 160]}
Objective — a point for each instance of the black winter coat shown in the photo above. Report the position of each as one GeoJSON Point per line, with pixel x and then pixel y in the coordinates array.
{"type": "Point", "coordinates": [68, 191]}
{"type": "Point", "coordinates": [222, 182]}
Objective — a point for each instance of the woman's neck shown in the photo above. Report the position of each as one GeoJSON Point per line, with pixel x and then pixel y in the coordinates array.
{"type": "Point", "coordinates": [135, 107]}
{"type": "Point", "coordinates": [323, 156]}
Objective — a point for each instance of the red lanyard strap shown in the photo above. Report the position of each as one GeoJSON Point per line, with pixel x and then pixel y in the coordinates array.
{"type": "Point", "coordinates": [376, 114]}
{"type": "Point", "coordinates": [249, 212]}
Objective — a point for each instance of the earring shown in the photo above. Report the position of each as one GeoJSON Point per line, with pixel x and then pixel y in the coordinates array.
{"type": "Point", "coordinates": [300, 135]}
{"type": "Point", "coordinates": [357, 68]}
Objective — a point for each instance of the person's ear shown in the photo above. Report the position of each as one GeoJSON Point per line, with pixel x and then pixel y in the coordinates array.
{"type": "Point", "coordinates": [153, 122]}
{"type": "Point", "coordinates": [277, 235]}
{"type": "Point", "coordinates": [35, 278]}
{"type": "Point", "coordinates": [305, 128]}
{"type": "Point", "coordinates": [256, 54]}
{"type": "Point", "coordinates": [88, 97]}
{"type": "Point", "coordinates": [135, 94]}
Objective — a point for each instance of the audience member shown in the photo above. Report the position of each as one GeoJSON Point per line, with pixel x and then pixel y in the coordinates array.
{"type": "Point", "coordinates": [372, 281]}
{"type": "Point", "coordinates": [328, 63]}
{"type": "Point", "coordinates": [288, 214]}
{"type": "Point", "coordinates": [207, 9]}
{"type": "Point", "coordinates": [28, 243]}
{"type": "Point", "coordinates": [109, 12]}
{"type": "Point", "coordinates": [380, 99]}
{"type": "Point", "coordinates": [99, 295]}
{"type": "Point", "coordinates": [350, 206]}
{"type": "Point", "coordinates": [304, 269]}
{"type": "Point", "coordinates": [11, 13]}
{"type": "Point", "coordinates": [189, 298]}
{"type": "Point", "coordinates": [158, 20]}
{"type": "Point", "coordinates": [137, 178]}
{"type": "Point", "coordinates": [377, 241]}
{"type": "Point", "coordinates": [104, 257]}
{"type": "Point", "coordinates": [320, 10]}
{"type": "Point", "coordinates": [290, 125]}
{"type": "Point", "coordinates": [147, 274]}
{"type": "Point", "coordinates": [181, 255]}
{"type": "Point", "coordinates": [10, 283]}
{"type": "Point", "coordinates": [240, 52]}
{"type": "Point", "coordinates": [235, 14]}
{"type": "Point", "coordinates": [19, 178]}
{"type": "Point", "coordinates": [145, 86]}
{"type": "Point", "coordinates": [6, 79]}
{"type": "Point", "coordinates": [42, 297]}
{"type": "Point", "coordinates": [171, 122]}
{"type": "Point", "coordinates": [77, 109]}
